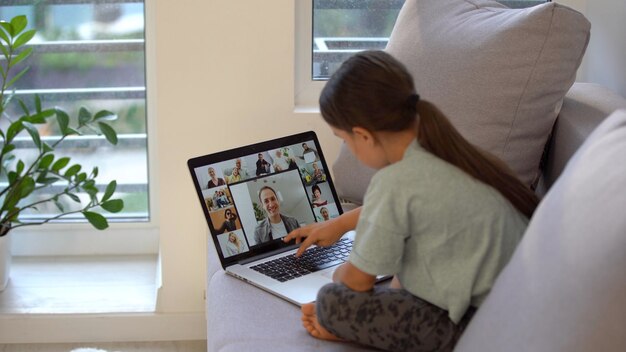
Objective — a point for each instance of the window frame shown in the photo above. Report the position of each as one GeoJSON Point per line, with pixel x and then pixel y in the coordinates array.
{"type": "Point", "coordinates": [306, 90]}
{"type": "Point", "coordinates": [121, 238]}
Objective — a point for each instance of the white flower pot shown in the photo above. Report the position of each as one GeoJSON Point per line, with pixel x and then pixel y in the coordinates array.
{"type": "Point", "coordinates": [5, 260]}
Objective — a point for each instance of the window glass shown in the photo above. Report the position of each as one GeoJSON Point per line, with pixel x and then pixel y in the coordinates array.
{"type": "Point", "coordinates": [91, 54]}
{"type": "Point", "coordinates": [343, 27]}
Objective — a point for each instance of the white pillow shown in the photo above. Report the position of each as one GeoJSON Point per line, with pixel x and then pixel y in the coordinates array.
{"type": "Point", "coordinates": [499, 74]}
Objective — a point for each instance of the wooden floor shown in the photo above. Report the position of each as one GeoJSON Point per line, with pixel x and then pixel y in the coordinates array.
{"type": "Point", "coordinates": [165, 346]}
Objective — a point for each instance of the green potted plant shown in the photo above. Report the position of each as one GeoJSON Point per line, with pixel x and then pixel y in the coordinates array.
{"type": "Point", "coordinates": [24, 176]}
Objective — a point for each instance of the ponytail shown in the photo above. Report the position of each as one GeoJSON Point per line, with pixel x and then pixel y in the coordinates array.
{"type": "Point", "coordinates": [437, 135]}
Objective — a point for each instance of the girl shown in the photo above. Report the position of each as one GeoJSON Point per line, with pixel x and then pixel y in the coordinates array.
{"type": "Point", "coordinates": [445, 229]}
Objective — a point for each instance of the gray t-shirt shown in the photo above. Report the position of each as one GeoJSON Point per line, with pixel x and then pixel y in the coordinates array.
{"type": "Point", "coordinates": [443, 233]}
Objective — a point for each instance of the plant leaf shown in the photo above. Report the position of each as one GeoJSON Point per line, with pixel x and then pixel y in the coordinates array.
{"type": "Point", "coordinates": [20, 167]}
{"type": "Point", "coordinates": [16, 213]}
{"type": "Point", "coordinates": [105, 115]}
{"type": "Point", "coordinates": [113, 205]}
{"type": "Point", "coordinates": [92, 192]}
{"type": "Point", "coordinates": [23, 106]}
{"type": "Point", "coordinates": [73, 197]}
{"type": "Point", "coordinates": [5, 51]}
{"type": "Point", "coordinates": [24, 38]}
{"type": "Point", "coordinates": [72, 170]}
{"type": "Point", "coordinates": [18, 23]}
{"type": "Point", "coordinates": [34, 133]}
{"type": "Point", "coordinates": [70, 131]}
{"type": "Point", "coordinates": [12, 176]}
{"type": "Point", "coordinates": [15, 128]}
{"type": "Point", "coordinates": [17, 76]}
{"type": "Point", "coordinates": [109, 132]}
{"type": "Point", "coordinates": [38, 103]}
{"type": "Point", "coordinates": [61, 163]}
{"type": "Point", "coordinates": [4, 36]}
{"type": "Point", "coordinates": [84, 116]}
{"type": "Point", "coordinates": [45, 161]}
{"type": "Point", "coordinates": [47, 180]}
{"type": "Point", "coordinates": [108, 192]}
{"type": "Point", "coordinates": [8, 28]}
{"type": "Point", "coordinates": [81, 177]}
{"type": "Point", "coordinates": [21, 56]}
{"type": "Point", "coordinates": [40, 117]}
{"type": "Point", "coordinates": [8, 148]}
{"type": "Point", "coordinates": [59, 206]}
{"type": "Point", "coordinates": [96, 220]}
{"type": "Point", "coordinates": [94, 173]}
{"type": "Point", "coordinates": [27, 187]}
{"type": "Point", "coordinates": [63, 119]}
{"type": "Point", "coordinates": [46, 148]}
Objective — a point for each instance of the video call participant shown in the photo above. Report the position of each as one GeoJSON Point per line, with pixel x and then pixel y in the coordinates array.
{"type": "Point", "coordinates": [234, 245]}
{"type": "Point", "coordinates": [318, 201]}
{"type": "Point", "coordinates": [275, 225]}
{"type": "Point", "coordinates": [325, 214]}
{"type": "Point", "coordinates": [214, 180]}
{"type": "Point", "coordinates": [262, 166]}
{"type": "Point", "coordinates": [230, 222]}
{"type": "Point", "coordinates": [308, 150]}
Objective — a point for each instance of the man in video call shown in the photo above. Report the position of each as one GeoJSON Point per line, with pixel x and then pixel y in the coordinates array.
{"type": "Point", "coordinates": [275, 225]}
{"type": "Point", "coordinates": [262, 166]}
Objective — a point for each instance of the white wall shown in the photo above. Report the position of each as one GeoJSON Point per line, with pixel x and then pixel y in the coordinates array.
{"type": "Point", "coordinates": [605, 59]}
{"type": "Point", "coordinates": [224, 77]}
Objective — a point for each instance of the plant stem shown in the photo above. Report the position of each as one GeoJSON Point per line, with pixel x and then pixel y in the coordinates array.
{"type": "Point", "coordinates": [18, 210]}
{"type": "Point", "coordinates": [52, 218]}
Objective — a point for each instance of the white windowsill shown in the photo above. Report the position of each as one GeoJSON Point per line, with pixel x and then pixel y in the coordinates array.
{"type": "Point", "coordinates": [81, 285]}
{"type": "Point", "coordinates": [90, 299]}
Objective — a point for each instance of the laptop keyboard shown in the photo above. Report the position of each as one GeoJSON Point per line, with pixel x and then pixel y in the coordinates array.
{"type": "Point", "coordinates": [314, 259]}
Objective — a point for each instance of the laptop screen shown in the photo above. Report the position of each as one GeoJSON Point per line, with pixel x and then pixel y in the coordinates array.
{"type": "Point", "coordinates": [253, 196]}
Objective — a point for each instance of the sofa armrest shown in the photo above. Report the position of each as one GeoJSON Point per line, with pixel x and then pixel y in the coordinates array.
{"type": "Point", "coordinates": [584, 107]}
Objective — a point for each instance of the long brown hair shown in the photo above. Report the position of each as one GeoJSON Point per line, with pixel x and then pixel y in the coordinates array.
{"type": "Point", "coordinates": [375, 91]}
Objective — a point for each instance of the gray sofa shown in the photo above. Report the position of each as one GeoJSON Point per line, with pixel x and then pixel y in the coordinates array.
{"type": "Point", "coordinates": [241, 317]}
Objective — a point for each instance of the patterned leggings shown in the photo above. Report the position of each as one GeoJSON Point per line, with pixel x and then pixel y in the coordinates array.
{"type": "Point", "coordinates": [388, 319]}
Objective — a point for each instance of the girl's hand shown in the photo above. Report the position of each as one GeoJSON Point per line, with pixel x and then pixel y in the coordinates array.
{"type": "Point", "coordinates": [320, 233]}
{"type": "Point", "coordinates": [324, 233]}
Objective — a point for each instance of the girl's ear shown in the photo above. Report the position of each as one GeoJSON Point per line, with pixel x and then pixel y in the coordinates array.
{"type": "Point", "coordinates": [363, 135]}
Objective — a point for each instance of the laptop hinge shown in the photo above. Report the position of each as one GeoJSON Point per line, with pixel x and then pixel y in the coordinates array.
{"type": "Point", "coordinates": [266, 255]}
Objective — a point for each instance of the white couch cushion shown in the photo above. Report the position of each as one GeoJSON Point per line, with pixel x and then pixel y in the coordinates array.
{"type": "Point", "coordinates": [565, 287]}
{"type": "Point", "coordinates": [499, 74]}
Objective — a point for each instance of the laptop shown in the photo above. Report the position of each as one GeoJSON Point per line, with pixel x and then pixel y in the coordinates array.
{"type": "Point", "coordinates": [252, 196]}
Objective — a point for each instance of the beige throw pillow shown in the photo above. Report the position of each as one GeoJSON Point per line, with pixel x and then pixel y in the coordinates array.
{"type": "Point", "coordinates": [499, 74]}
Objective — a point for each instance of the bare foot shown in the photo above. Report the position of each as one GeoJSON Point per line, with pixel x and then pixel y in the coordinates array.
{"type": "Point", "coordinates": [310, 323]}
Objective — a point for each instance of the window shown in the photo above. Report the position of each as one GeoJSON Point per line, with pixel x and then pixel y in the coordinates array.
{"type": "Point", "coordinates": [341, 28]}
{"type": "Point", "coordinates": [330, 31]}
{"type": "Point", "coordinates": [91, 53]}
